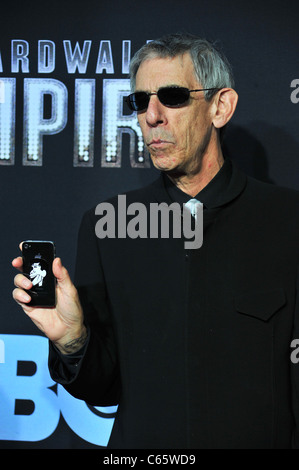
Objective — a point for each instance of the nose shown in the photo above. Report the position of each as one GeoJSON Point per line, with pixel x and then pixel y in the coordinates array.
{"type": "Point", "coordinates": [155, 113]}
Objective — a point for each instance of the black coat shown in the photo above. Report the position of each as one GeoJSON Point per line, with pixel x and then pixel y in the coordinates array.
{"type": "Point", "coordinates": [194, 345]}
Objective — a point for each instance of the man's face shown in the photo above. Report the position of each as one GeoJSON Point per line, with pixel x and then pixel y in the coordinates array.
{"type": "Point", "coordinates": [177, 138]}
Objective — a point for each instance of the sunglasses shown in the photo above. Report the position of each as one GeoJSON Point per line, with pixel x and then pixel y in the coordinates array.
{"type": "Point", "coordinates": [169, 96]}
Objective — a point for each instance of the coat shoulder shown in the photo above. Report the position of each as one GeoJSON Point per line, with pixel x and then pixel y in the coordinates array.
{"type": "Point", "coordinates": [267, 193]}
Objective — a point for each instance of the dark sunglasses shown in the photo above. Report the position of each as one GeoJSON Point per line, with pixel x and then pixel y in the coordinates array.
{"type": "Point", "coordinates": [169, 96]}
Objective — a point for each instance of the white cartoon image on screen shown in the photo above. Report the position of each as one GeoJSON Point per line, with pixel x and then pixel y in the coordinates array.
{"type": "Point", "coordinates": [37, 274]}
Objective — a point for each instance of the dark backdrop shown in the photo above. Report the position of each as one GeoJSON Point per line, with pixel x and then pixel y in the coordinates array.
{"type": "Point", "coordinates": [45, 198]}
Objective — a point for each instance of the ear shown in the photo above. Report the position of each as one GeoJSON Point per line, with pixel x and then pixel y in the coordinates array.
{"type": "Point", "coordinates": [225, 102]}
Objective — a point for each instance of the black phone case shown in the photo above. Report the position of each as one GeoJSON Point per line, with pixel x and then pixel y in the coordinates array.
{"type": "Point", "coordinates": [38, 257]}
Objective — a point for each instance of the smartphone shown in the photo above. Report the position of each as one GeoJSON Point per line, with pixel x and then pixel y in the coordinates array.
{"type": "Point", "coordinates": [38, 256]}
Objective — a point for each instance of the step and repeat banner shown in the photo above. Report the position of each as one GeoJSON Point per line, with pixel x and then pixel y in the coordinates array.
{"type": "Point", "coordinates": [67, 142]}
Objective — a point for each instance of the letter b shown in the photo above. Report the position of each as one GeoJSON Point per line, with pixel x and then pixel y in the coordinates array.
{"type": "Point", "coordinates": [44, 419]}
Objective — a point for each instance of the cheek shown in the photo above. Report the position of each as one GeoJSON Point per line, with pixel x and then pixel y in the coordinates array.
{"type": "Point", "coordinates": [186, 138]}
{"type": "Point", "coordinates": [196, 131]}
{"type": "Point", "coordinates": [187, 128]}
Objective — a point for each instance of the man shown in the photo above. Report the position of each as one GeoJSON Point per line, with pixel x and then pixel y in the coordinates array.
{"type": "Point", "coordinates": [192, 344]}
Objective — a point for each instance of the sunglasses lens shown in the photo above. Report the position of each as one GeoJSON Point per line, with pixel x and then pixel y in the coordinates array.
{"type": "Point", "coordinates": [138, 101]}
{"type": "Point", "coordinates": [173, 96]}
{"type": "Point", "coordinates": [169, 96]}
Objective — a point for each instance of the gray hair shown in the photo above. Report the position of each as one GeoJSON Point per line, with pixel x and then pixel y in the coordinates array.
{"type": "Point", "coordinates": [211, 67]}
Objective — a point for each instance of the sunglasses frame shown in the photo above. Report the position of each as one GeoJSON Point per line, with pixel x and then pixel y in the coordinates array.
{"type": "Point", "coordinates": [130, 99]}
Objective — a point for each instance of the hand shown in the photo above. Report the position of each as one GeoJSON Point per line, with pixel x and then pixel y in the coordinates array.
{"type": "Point", "coordinates": [63, 325]}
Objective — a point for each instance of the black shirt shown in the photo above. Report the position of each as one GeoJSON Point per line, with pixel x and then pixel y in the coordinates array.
{"type": "Point", "coordinates": [210, 194]}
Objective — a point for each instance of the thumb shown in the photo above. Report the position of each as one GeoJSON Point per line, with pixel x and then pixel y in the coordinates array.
{"type": "Point", "coordinates": [61, 273]}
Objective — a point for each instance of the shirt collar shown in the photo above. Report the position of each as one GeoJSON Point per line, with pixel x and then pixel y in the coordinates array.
{"type": "Point", "coordinates": [224, 187]}
{"type": "Point", "coordinates": [209, 194]}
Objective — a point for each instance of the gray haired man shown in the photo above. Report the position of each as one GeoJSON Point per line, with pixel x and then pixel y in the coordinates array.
{"type": "Point", "coordinates": [193, 345]}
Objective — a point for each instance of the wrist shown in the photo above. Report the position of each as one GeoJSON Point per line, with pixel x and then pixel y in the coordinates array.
{"type": "Point", "coordinates": [73, 342]}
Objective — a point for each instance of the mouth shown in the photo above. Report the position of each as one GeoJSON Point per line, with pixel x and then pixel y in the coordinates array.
{"type": "Point", "coordinates": [159, 143]}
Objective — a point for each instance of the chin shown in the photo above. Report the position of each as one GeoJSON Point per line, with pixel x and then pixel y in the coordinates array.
{"type": "Point", "coordinates": [163, 163]}
{"type": "Point", "coordinates": [173, 170]}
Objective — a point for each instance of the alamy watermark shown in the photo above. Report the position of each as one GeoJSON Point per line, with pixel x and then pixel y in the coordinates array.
{"type": "Point", "coordinates": [295, 93]}
{"type": "Point", "coordinates": [150, 222]}
{"type": "Point", "coordinates": [295, 354]}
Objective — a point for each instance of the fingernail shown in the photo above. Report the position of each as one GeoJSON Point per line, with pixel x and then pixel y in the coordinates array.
{"type": "Point", "coordinates": [27, 284]}
{"type": "Point", "coordinates": [25, 298]}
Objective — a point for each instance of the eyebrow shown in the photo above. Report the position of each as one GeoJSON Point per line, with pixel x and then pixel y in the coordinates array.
{"type": "Point", "coordinates": [173, 85]}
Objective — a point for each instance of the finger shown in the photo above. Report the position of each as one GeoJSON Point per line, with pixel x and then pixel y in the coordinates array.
{"type": "Point", "coordinates": [17, 262]}
{"type": "Point", "coordinates": [20, 296]}
{"type": "Point", "coordinates": [22, 281]}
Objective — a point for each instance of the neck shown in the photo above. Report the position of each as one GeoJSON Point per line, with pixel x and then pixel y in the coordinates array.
{"type": "Point", "coordinates": [193, 183]}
